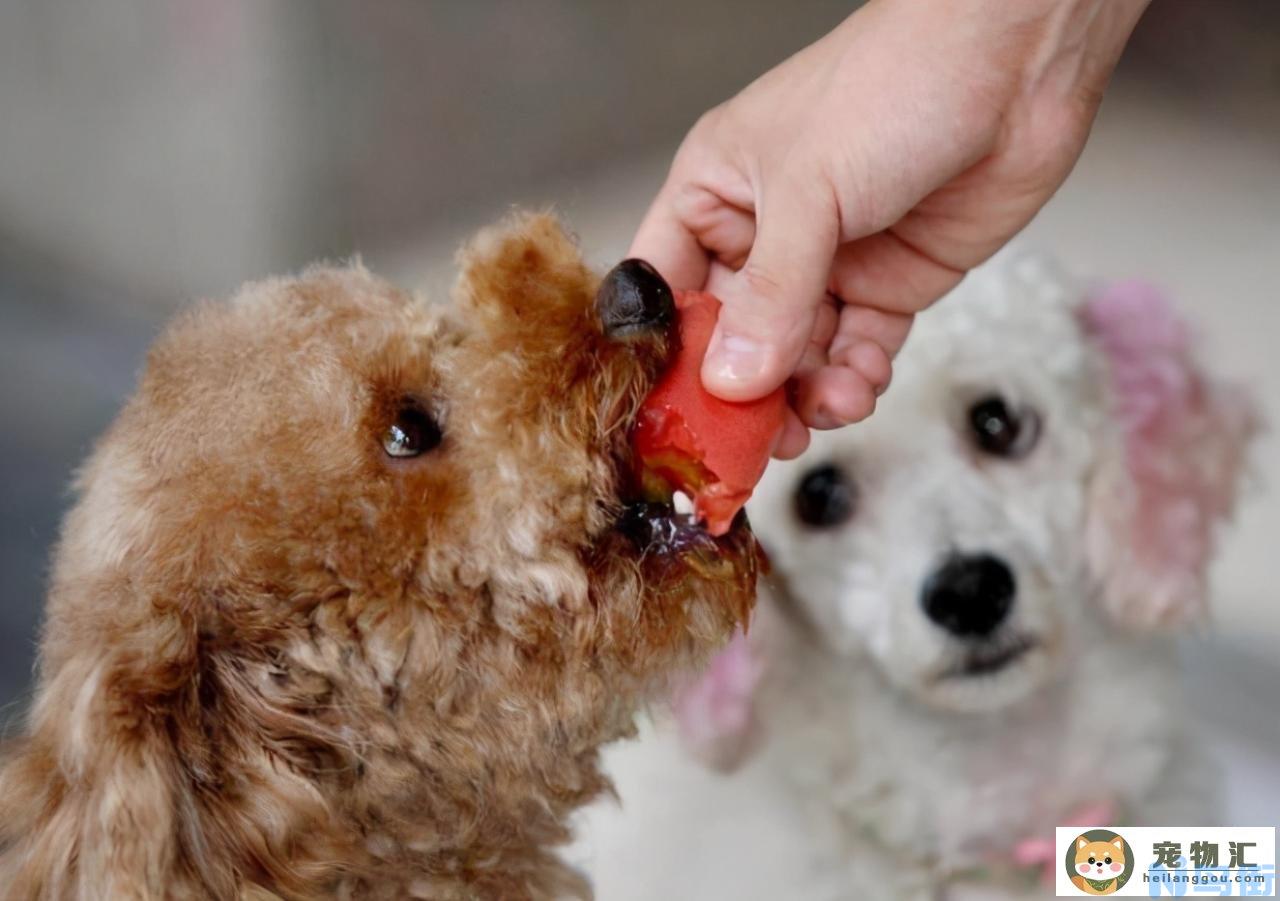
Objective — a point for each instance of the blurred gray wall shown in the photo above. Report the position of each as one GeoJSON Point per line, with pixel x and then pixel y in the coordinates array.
{"type": "Point", "coordinates": [166, 147]}
{"type": "Point", "coordinates": [177, 147]}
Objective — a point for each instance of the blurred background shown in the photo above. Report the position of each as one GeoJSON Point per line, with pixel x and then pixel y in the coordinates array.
{"type": "Point", "coordinates": [157, 151]}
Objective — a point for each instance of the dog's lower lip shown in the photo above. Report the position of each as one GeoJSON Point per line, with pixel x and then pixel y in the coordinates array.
{"type": "Point", "coordinates": [990, 660]}
{"type": "Point", "coordinates": [658, 525]}
{"type": "Point", "coordinates": [658, 531]}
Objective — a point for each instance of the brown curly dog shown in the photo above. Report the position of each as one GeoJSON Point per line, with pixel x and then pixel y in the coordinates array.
{"type": "Point", "coordinates": [350, 598]}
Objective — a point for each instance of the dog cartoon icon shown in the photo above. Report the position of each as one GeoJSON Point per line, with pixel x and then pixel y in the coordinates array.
{"type": "Point", "coordinates": [1100, 863]}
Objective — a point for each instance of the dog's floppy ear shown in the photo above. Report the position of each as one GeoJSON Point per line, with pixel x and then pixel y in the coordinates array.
{"type": "Point", "coordinates": [716, 711]}
{"type": "Point", "coordinates": [91, 797]}
{"type": "Point", "coordinates": [1171, 472]}
{"type": "Point", "coordinates": [527, 283]}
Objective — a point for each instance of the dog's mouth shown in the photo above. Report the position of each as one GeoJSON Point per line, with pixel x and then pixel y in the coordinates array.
{"type": "Point", "coordinates": [663, 536]}
{"type": "Point", "coordinates": [992, 657]}
{"type": "Point", "coordinates": [681, 561]}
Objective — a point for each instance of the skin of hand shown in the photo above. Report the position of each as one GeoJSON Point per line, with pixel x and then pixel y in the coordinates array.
{"type": "Point", "coordinates": [854, 184]}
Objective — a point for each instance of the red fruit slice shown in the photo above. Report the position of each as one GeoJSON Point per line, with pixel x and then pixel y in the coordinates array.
{"type": "Point", "coordinates": [689, 440]}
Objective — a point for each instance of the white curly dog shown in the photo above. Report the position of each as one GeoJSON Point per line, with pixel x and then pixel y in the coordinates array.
{"type": "Point", "coordinates": [972, 633]}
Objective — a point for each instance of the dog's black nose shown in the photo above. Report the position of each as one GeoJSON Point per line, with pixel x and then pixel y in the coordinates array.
{"type": "Point", "coordinates": [634, 299]}
{"type": "Point", "coordinates": [969, 595]}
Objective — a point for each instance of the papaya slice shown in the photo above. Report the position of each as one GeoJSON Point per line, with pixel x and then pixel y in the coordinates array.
{"type": "Point", "coordinates": [687, 439]}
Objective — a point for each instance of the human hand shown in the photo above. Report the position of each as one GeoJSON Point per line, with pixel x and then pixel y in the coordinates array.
{"type": "Point", "coordinates": [850, 187]}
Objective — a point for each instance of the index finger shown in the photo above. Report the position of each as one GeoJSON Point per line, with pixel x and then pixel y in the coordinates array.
{"type": "Point", "coordinates": [669, 245]}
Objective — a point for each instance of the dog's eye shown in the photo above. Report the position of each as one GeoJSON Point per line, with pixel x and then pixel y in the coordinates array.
{"type": "Point", "coordinates": [413, 432]}
{"type": "Point", "coordinates": [824, 497]}
{"type": "Point", "coordinates": [1106, 860]}
{"type": "Point", "coordinates": [1092, 860]}
{"type": "Point", "coordinates": [1001, 431]}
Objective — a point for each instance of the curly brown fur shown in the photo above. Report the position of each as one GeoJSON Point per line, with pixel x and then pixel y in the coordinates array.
{"type": "Point", "coordinates": [279, 663]}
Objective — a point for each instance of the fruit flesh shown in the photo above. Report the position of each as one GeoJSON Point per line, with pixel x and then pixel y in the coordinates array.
{"type": "Point", "coordinates": [689, 440]}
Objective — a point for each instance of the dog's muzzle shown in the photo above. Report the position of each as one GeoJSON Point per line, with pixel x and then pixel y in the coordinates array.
{"type": "Point", "coordinates": [634, 302]}
{"type": "Point", "coordinates": [658, 530]}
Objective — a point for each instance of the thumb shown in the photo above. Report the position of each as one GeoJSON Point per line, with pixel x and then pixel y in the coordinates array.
{"type": "Point", "coordinates": [771, 303]}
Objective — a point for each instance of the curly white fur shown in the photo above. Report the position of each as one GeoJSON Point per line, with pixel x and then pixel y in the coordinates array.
{"type": "Point", "coordinates": [878, 767]}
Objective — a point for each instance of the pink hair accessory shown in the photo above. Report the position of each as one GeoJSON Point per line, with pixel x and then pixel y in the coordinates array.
{"type": "Point", "coordinates": [1041, 852]}
{"type": "Point", "coordinates": [714, 711]}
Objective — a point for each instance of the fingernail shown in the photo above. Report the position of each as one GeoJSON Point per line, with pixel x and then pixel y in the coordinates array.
{"type": "Point", "coordinates": [823, 419]}
{"type": "Point", "coordinates": [735, 358]}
